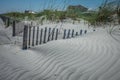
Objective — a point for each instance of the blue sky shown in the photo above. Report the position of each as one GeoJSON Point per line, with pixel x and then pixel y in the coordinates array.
{"type": "Point", "coordinates": [37, 5]}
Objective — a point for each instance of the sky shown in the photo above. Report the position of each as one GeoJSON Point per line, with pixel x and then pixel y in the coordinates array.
{"type": "Point", "coordinates": [38, 5]}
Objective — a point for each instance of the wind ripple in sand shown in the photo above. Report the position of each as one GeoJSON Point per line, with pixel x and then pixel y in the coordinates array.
{"type": "Point", "coordinates": [91, 57]}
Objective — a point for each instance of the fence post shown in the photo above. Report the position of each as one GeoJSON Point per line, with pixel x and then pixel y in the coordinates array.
{"type": "Point", "coordinates": [81, 32]}
{"type": "Point", "coordinates": [25, 33]}
{"type": "Point", "coordinates": [72, 32]}
{"type": "Point", "coordinates": [41, 36]}
{"type": "Point", "coordinates": [13, 28]}
{"type": "Point", "coordinates": [76, 33]}
{"type": "Point", "coordinates": [85, 31]}
{"type": "Point", "coordinates": [8, 22]}
{"type": "Point", "coordinates": [68, 36]}
{"type": "Point", "coordinates": [45, 35]}
{"type": "Point", "coordinates": [29, 36]}
{"type": "Point", "coordinates": [49, 34]}
{"type": "Point", "coordinates": [33, 36]}
{"type": "Point", "coordinates": [64, 34]}
{"type": "Point", "coordinates": [37, 36]}
{"type": "Point", "coordinates": [53, 33]}
{"type": "Point", "coordinates": [56, 34]}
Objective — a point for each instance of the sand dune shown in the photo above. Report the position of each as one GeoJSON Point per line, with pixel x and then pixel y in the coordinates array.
{"type": "Point", "coordinates": [95, 56]}
{"type": "Point", "coordinates": [2, 26]}
{"type": "Point", "coordinates": [4, 38]}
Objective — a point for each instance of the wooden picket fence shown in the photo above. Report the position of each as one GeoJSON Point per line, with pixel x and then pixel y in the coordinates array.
{"type": "Point", "coordinates": [11, 22]}
{"type": "Point", "coordinates": [33, 36]}
{"type": "Point", "coordinates": [6, 20]}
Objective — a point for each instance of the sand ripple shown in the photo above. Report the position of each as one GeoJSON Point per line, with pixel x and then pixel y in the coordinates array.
{"type": "Point", "coordinates": [91, 57]}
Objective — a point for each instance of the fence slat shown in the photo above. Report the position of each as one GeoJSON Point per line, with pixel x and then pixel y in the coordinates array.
{"type": "Point", "coordinates": [73, 33]}
{"type": "Point", "coordinates": [25, 33]}
{"type": "Point", "coordinates": [64, 34]}
{"type": "Point", "coordinates": [56, 34]}
{"type": "Point", "coordinates": [85, 31]}
{"type": "Point", "coordinates": [76, 33]}
{"type": "Point", "coordinates": [13, 33]}
{"type": "Point", "coordinates": [8, 22]}
{"type": "Point", "coordinates": [81, 32]}
{"type": "Point", "coordinates": [53, 31]}
{"type": "Point", "coordinates": [33, 36]}
{"type": "Point", "coordinates": [37, 35]}
{"type": "Point", "coordinates": [41, 33]}
{"type": "Point", "coordinates": [44, 41]}
{"type": "Point", "coordinates": [68, 36]}
{"type": "Point", "coordinates": [49, 34]}
{"type": "Point", "coordinates": [29, 36]}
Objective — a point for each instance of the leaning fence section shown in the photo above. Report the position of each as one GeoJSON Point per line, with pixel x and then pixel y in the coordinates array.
{"type": "Point", "coordinates": [34, 35]}
{"type": "Point", "coordinates": [17, 25]}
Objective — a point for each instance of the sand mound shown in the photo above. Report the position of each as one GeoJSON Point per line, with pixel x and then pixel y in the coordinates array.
{"type": "Point", "coordinates": [95, 56]}
{"type": "Point", "coordinates": [2, 26]}
{"type": "Point", "coordinates": [4, 39]}
{"type": "Point", "coordinates": [4, 34]}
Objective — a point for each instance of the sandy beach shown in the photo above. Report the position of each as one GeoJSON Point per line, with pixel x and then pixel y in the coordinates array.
{"type": "Point", "coordinates": [93, 56]}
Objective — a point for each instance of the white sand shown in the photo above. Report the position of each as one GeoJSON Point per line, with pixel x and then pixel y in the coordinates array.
{"type": "Point", "coordinates": [2, 26]}
{"type": "Point", "coordinates": [4, 38]}
{"type": "Point", "coordinates": [94, 56]}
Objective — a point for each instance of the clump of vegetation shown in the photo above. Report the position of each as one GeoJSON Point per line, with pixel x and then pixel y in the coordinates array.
{"type": "Point", "coordinates": [19, 15]}
{"type": "Point", "coordinates": [52, 14]}
{"type": "Point", "coordinates": [104, 14]}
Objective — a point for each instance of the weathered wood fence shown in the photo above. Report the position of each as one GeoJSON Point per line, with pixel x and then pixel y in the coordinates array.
{"type": "Point", "coordinates": [6, 20]}
{"type": "Point", "coordinates": [17, 25]}
{"type": "Point", "coordinates": [33, 36]}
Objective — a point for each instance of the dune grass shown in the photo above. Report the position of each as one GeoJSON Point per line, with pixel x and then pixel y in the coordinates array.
{"type": "Point", "coordinates": [102, 16]}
